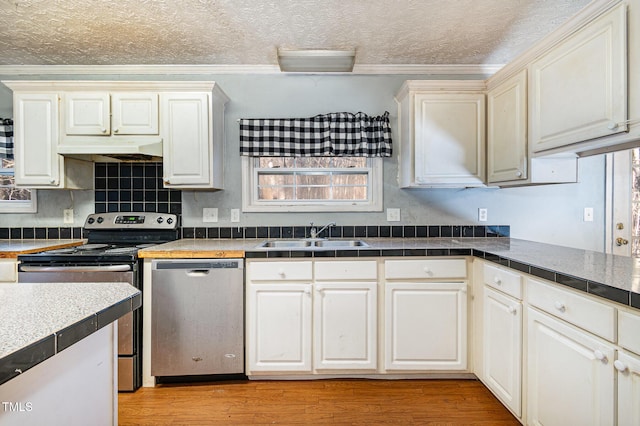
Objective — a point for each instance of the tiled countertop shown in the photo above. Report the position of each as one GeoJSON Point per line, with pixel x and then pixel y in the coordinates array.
{"type": "Point", "coordinates": [613, 277]}
{"type": "Point", "coordinates": [12, 248]}
{"type": "Point", "coordinates": [39, 320]}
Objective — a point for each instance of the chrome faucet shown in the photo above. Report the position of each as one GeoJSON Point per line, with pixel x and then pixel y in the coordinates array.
{"type": "Point", "coordinates": [313, 234]}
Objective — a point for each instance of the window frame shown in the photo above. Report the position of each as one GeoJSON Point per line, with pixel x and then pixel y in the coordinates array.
{"type": "Point", "coordinates": [18, 206]}
{"type": "Point", "coordinates": [250, 202]}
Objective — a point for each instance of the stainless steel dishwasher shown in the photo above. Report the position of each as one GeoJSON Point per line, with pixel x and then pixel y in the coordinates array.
{"type": "Point", "coordinates": [197, 317]}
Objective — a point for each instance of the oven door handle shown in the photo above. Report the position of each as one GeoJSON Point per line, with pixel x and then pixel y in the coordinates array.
{"type": "Point", "coordinates": [96, 268]}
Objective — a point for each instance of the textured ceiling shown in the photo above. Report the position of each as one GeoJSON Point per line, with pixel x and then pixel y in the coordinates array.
{"type": "Point", "coordinates": [248, 32]}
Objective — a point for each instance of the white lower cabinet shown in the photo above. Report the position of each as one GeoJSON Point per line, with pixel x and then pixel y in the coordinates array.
{"type": "Point", "coordinates": [502, 348]}
{"type": "Point", "coordinates": [570, 375]}
{"type": "Point", "coordinates": [345, 326]}
{"type": "Point", "coordinates": [425, 326]}
{"type": "Point", "coordinates": [628, 375]}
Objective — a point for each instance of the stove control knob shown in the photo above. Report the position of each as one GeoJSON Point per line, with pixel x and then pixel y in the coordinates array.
{"type": "Point", "coordinates": [160, 219]}
{"type": "Point", "coordinates": [169, 221]}
{"type": "Point", "coordinates": [100, 219]}
{"type": "Point", "coordinates": [91, 220]}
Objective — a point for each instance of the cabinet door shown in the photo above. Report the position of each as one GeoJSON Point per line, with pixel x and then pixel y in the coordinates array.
{"type": "Point", "coordinates": [628, 367]}
{"type": "Point", "coordinates": [279, 327]}
{"type": "Point", "coordinates": [570, 376]}
{"type": "Point", "coordinates": [134, 113]}
{"type": "Point", "coordinates": [507, 130]}
{"type": "Point", "coordinates": [87, 113]}
{"type": "Point", "coordinates": [345, 325]}
{"type": "Point", "coordinates": [502, 347]}
{"type": "Point", "coordinates": [449, 139]}
{"type": "Point", "coordinates": [579, 89]}
{"type": "Point", "coordinates": [426, 326]}
{"type": "Point", "coordinates": [37, 163]}
{"type": "Point", "coordinates": [187, 139]}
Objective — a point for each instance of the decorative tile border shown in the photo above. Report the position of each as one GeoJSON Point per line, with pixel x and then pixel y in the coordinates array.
{"type": "Point", "coordinates": [40, 233]}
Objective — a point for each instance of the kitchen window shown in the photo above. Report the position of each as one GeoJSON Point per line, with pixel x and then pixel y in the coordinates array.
{"type": "Point", "coordinates": [312, 184]}
{"type": "Point", "coordinates": [12, 199]}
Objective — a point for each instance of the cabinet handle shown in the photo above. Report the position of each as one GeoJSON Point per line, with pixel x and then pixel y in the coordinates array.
{"type": "Point", "coordinates": [497, 280]}
{"type": "Point", "coordinates": [612, 125]}
{"type": "Point", "coordinates": [518, 173]}
{"type": "Point", "coordinates": [104, 130]}
{"type": "Point", "coordinates": [599, 355]}
{"type": "Point", "coordinates": [52, 181]}
{"type": "Point", "coordinates": [281, 273]}
{"type": "Point", "coordinates": [560, 306]}
{"type": "Point", "coordinates": [307, 291]}
{"type": "Point", "coordinates": [427, 271]}
{"type": "Point", "coordinates": [512, 310]}
{"type": "Point", "coordinates": [319, 289]}
{"type": "Point", "coordinates": [115, 130]}
{"type": "Point", "coordinates": [619, 365]}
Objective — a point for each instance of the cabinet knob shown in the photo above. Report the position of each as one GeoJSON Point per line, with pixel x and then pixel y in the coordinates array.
{"type": "Point", "coordinates": [560, 306]}
{"type": "Point", "coordinates": [599, 355]}
{"type": "Point", "coordinates": [104, 130]}
{"type": "Point", "coordinates": [512, 310]}
{"type": "Point", "coordinates": [52, 181]}
{"type": "Point", "coordinates": [427, 271]}
{"type": "Point", "coordinates": [281, 273]}
{"type": "Point", "coordinates": [115, 130]}
{"type": "Point", "coordinates": [619, 365]}
{"type": "Point", "coordinates": [519, 173]}
{"type": "Point", "coordinates": [612, 126]}
{"type": "Point", "coordinates": [497, 280]}
{"type": "Point", "coordinates": [307, 291]}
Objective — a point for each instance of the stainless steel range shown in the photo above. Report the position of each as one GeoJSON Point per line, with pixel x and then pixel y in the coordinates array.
{"type": "Point", "coordinates": [110, 255]}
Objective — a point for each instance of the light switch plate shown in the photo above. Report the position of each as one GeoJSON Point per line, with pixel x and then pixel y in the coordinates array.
{"type": "Point", "coordinates": [393, 215]}
{"type": "Point", "coordinates": [588, 214]}
{"type": "Point", "coordinates": [235, 215]}
{"type": "Point", "coordinates": [209, 214]}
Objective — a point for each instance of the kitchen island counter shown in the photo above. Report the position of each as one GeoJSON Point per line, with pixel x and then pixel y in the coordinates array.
{"type": "Point", "coordinates": [10, 249]}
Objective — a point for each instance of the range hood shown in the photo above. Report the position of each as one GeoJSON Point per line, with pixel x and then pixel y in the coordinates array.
{"type": "Point", "coordinates": [123, 148]}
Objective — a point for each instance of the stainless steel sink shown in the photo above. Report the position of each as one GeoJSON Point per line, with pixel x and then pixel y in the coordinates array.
{"type": "Point", "coordinates": [341, 243]}
{"type": "Point", "coordinates": [285, 244]}
{"type": "Point", "coordinates": [311, 244]}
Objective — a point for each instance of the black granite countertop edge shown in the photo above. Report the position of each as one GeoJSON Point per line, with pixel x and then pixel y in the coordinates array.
{"type": "Point", "coordinates": [28, 357]}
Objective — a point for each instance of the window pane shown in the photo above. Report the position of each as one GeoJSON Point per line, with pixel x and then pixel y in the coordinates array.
{"type": "Point", "coordinates": [313, 193]}
{"type": "Point", "coordinates": [340, 179]}
{"type": "Point", "coordinates": [344, 162]}
{"type": "Point", "coordinates": [350, 193]}
{"type": "Point", "coordinates": [302, 179]}
{"type": "Point", "coordinates": [270, 179]}
{"type": "Point", "coordinates": [313, 162]}
{"type": "Point", "coordinates": [275, 193]}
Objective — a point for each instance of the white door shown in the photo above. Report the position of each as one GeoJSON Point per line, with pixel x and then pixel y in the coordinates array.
{"type": "Point", "coordinates": [426, 326]}
{"type": "Point", "coordinates": [502, 340]}
{"type": "Point", "coordinates": [37, 163]}
{"type": "Point", "coordinates": [279, 327]}
{"type": "Point", "coordinates": [87, 113]}
{"type": "Point", "coordinates": [187, 139]}
{"type": "Point", "coordinates": [345, 326]}
{"type": "Point", "coordinates": [623, 203]}
{"type": "Point", "coordinates": [134, 113]}
{"type": "Point", "coordinates": [628, 367]}
{"type": "Point", "coordinates": [570, 378]}
{"type": "Point", "coordinates": [449, 139]}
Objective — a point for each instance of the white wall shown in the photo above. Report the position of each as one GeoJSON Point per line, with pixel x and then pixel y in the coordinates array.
{"type": "Point", "coordinates": [551, 213]}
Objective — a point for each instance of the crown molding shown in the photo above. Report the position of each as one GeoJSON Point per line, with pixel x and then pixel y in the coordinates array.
{"type": "Point", "coordinates": [382, 69]}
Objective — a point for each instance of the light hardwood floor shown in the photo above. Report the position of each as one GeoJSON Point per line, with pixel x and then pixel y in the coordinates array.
{"type": "Point", "coordinates": [334, 402]}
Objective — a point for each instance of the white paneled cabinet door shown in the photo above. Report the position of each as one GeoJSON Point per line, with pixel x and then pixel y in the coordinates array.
{"type": "Point", "coordinates": [426, 326]}
{"type": "Point", "coordinates": [37, 163]}
{"type": "Point", "coordinates": [507, 130]}
{"type": "Point", "coordinates": [279, 327]}
{"type": "Point", "coordinates": [134, 113]}
{"type": "Point", "coordinates": [87, 113]}
{"type": "Point", "coordinates": [570, 376]}
{"type": "Point", "coordinates": [628, 367]}
{"type": "Point", "coordinates": [187, 139]}
{"type": "Point", "coordinates": [345, 326]}
{"type": "Point", "coordinates": [502, 346]}
{"type": "Point", "coordinates": [449, 139]}
{"type": "Point", "coordinates": [579, 89]}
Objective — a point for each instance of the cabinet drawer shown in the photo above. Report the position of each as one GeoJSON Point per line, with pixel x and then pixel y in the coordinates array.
{"type": "Point", "coordinates": [588, 314]}
{"type": "Point", "coordinates": [353, 270]}
{"type": "Point", "coordinates": [505, 281]}
{"type": "Point", "coordinates": [427, 268]}
{"type": "Point", "coordinates": [628, 331]}
{"type": "Point", "coordinates": [279, 271]}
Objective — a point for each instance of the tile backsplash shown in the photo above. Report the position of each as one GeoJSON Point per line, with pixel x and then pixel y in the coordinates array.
{"type": "Point", "coordinates": [134, 187]}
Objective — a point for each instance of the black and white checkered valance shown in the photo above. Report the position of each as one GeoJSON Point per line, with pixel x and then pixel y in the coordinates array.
{"type": "Point", "coordinates": [339, 134]}
{"type": "Point", "coordinates": [6, 142]}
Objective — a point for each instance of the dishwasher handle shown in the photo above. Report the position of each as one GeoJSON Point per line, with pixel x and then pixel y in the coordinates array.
{"type": "Point", "coordinates": [198, 272]}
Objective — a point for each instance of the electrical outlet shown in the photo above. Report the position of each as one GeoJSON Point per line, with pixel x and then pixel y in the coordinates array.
{"type": "Point", "coordinates": [235, 215]}
{"type": "Point", "coordinates": [67, 215]}
{"type": "Point", "coordinates": [482, 215]}
{"type": "Point", "coordinates": [209, 214]}
{"type": "Point", "coordinates": [588, 214]}
{"type": "Point", "coordinates": [393, 215]}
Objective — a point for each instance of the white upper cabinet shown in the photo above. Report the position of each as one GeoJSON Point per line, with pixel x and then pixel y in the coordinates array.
{"type": "Point", "coordinates": [507, 130]}
{"type": "Point", "coordinates": [442, 133]}
{"type": "Point", "coordinates": [106, 114]}
{"type": "Point", "coordinates": [579, 88]}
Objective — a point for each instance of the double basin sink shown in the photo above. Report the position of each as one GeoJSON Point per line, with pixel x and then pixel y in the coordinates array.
{"type": "Point", "coordinates": [312, 244]}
